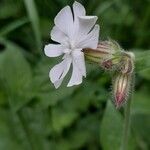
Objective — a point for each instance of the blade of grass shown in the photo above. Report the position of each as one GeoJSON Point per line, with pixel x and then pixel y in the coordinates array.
{"type": "Point", "coordinates": [103, 7]}
{"type": "Point", "coordinates": [12, 26]}
{"type": "Point", "coordinates": [34, 19]}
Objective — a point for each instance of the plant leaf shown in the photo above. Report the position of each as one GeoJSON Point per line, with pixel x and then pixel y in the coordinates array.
{"type": "Point", "coordinates": [16, 76]}
{"type": "Point", "coordinates": [112, 129]}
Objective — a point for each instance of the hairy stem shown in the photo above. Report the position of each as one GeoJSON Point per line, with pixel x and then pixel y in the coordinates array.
{"type": "Point", "coordinates": [127, 115]}
{"type": "Point", "coordinates": [126, 126]}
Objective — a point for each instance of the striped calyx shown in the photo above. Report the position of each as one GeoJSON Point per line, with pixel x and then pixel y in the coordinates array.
{"type": "Point", "coordinates": [121, 88]}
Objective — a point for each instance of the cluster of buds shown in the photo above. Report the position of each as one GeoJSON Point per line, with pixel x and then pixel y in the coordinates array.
{"type": "Point", "coordinates": [111, 57]}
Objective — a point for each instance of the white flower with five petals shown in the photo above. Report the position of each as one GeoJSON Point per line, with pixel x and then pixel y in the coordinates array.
{"type": "Point", "coordinates": [74, 31]}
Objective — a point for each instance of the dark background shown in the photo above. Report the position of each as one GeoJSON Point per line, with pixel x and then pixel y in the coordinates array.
{"type": "Point", "coordinates": [36, 116]}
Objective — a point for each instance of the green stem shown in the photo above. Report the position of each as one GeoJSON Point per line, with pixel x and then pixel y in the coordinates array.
{"type": "Point", "coordinates": [127, 112]}
{"type": "Point", "coordinates": [126, 126]}
{"type": "Point", "coordinates": [126, 130]}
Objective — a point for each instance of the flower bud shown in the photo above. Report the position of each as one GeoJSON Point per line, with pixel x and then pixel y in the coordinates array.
{"type": "Point", "coordinates": [127, 63]}
{"type": "Point", "coordinates": [108, 54]}
{"type": "Point", "coordinates": [121, 87]}
{"type": "Point", "coordinates": [111, 63]}
{"type": "Point", "coordinates": [96, 55]}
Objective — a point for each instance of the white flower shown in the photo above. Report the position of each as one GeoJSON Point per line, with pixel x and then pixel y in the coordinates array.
{"type": "Point", "coordinates": [74, 31]}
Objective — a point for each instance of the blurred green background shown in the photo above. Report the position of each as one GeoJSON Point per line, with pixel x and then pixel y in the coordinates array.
{"type": "Point", "coordinates": [36, 116]}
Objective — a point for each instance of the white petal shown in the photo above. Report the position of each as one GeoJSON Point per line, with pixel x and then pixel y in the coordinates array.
{"type": "Point", "coordinates": [78, 9]}
{"type": "Point", "coordinates": [59, 71]}
{"type": "Point", "coordinates": [57, 35]}
{"type": "Point", "coordinates": [76, 77]}
{"type": "Point", "coordinates": [91, 40]}
{"type": "Point", "coordinates": [64, 21]}
{"type": "Point", "coordinates": [86, 23]}
{"type": "Point", "coordinates": [58, 83]}
{"type": "Point", "coordinates": [79, 60]}
{"type": "Point", "coordinates": [79, 69]}
{"type": "Point", "coordinates": [56, 72]}
{"type": "Point", "coordinates": [53, 50]}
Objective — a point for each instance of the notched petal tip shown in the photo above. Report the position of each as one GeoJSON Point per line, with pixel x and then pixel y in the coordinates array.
{"type": "Point", "coordinates": [91, 40]}
{"type": "Point", "coordinates": [64, 21]}
{"type": "Point", "coordinates": [86, 19]}
{"type": "Point", "coordinates": [73, 83]}
{"type": "Point", "coordinates": [97, 27]}
{"type": "Point", "coordinates": [57, 84]}
{"type": "Point", "coordinates": [77, 4]}
{"type": "Point", "coordinates": [78, 10]}
{"type": "Point", "coordinates": [62, 11]}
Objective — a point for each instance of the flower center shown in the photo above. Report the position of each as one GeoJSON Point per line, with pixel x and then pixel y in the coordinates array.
{"type": "Point", "coordinates": [68, 47]}
{"type": "Point", "coordinates": [71, 45]}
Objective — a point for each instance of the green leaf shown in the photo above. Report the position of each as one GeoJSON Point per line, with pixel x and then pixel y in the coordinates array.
{"type": "Point", "coordinates": [34, 121]}
{"type": "Point", "coordinates": [141, 103]}
{"type": "Point", "coordinates": [83, 134]}
{"type": "Point", "coordinates": [62, 118]}
{"type": "Point", "coordinates": [141, 127]}
{"type": "Point", "coordinates": [145, 73]}
{"type": "Point", "coordinates": [11, 138]}
{"type": "Point", "coordinates": [142, 60]}
{"type": "Point", "coordinates": [111, 128]}
{"type": "Point", "coordinates": [16, 77]}
{"type": "Point", "coordinates": [86, 132]}
{"type": "Point", "coordinates": [140, 118]}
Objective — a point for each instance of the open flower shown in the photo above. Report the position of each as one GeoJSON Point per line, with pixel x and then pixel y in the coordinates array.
{"type": "Point", "coordinates": [73, 31]}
